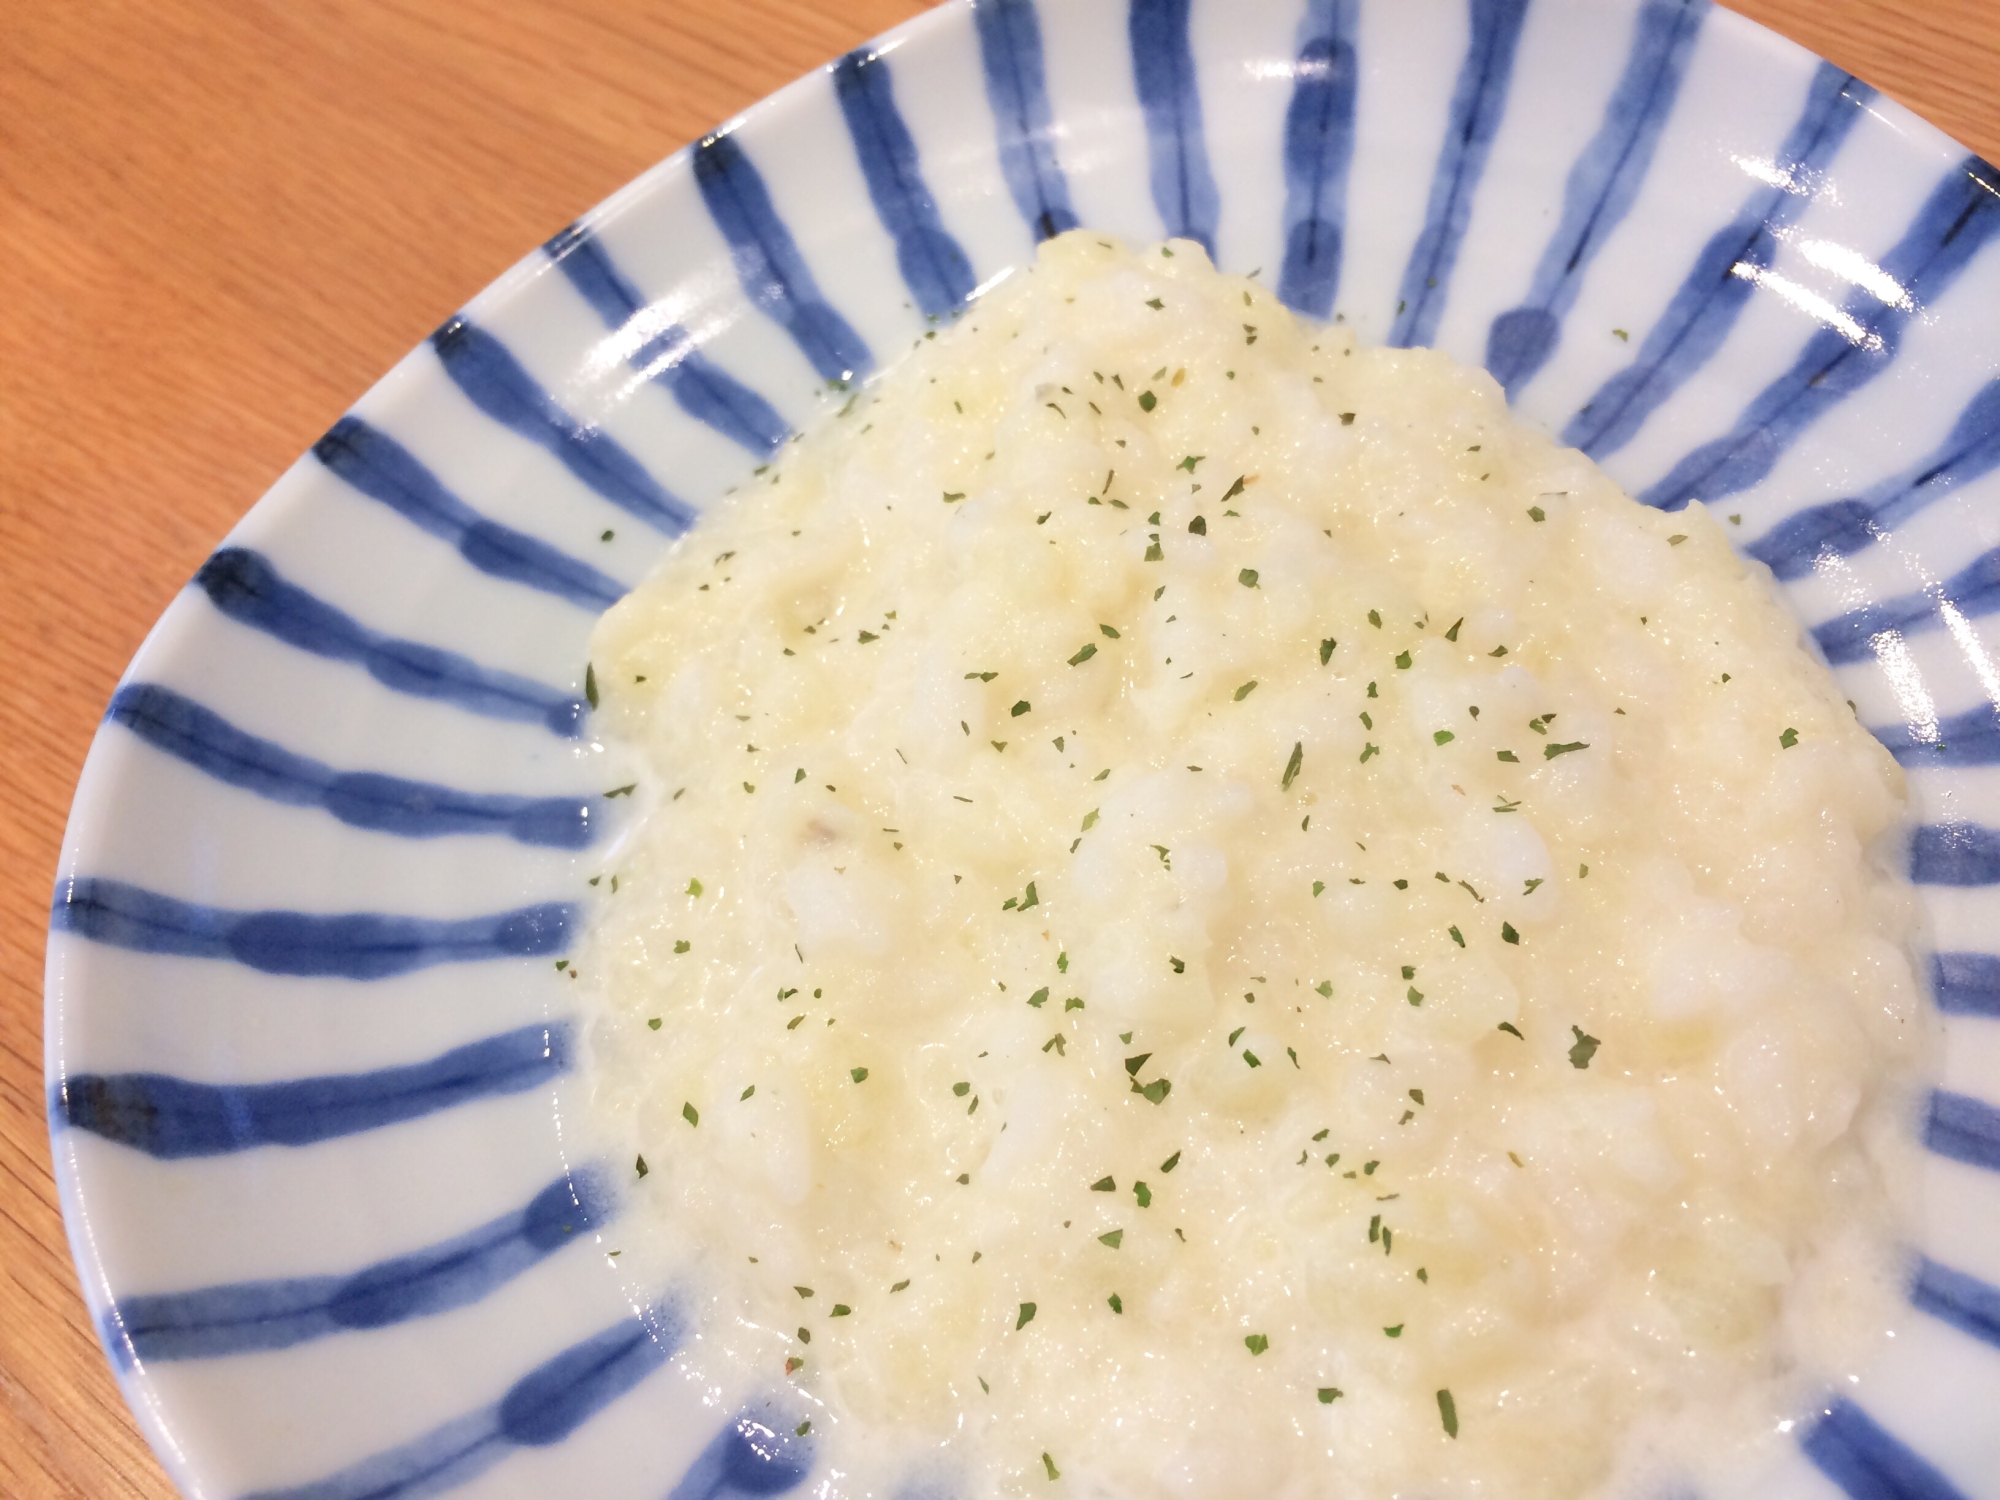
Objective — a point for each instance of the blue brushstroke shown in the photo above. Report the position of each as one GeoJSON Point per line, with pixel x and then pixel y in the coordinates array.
{"type": "Point", "coordinates": [552, 1401]}
{"type": "Point", "coordinates": [1319, 149]}
{"type": "Point", "coordinates": [1841, 527]}
{"type": "Point", "coordinates": [1955, 854]}
{"type": "Point", "coordinates": [173, 1118]}
{"type": "Point", "coordinates": [250, 1316]}
{"type": "Point", "coordinates": [774, 274]}
{"type": "Point", "coordinates": [1017, 91]}
{"type": "Point", "coordinates": [1973, 590]}
{"type": "Point", "coordinates": [1964, 1128]}
{"type": "Point", "coordinates": [1163, 70]}
{"type": "Point", "coordinates": [702, 388]}
{"type": "Point", "coordinates": [360, 945]}
{"type": "Point", "coordinates": [1477, 103]}
{"type": "Point", "coordinates": [1961, 215]}
{"type": "Point", "coordinates": [935, 266]}
{"type": "Point", "coordinates": [182, 728]}
{"type": "Point", "coordinates": [1602, 187]}
{"type": "Point", "coordinates": [249, 590]}
{"type": "Point", "coordinates": [760, 1453]}
{"type": "Point", "coordinates": [538, 1411]}
{"type": "Point", "coordinates": [1968, 739]}
{"type": "Point", "coordinates": [499, 385]}
{"type": "Point", "coordinates": [1856, 1453]}
{"type": "Point", "coordinates": [382, 469]}
{"type": "Point", "coordinates": [1967, 1303]}
{"type": "Point", "coordinates": [1705, 307]}
{"type": "Point", "coordinates": [1966, 984]}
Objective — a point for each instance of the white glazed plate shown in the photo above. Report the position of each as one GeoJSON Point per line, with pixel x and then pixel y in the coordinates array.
{"type": "Point", "coordinates": [306, 1029]}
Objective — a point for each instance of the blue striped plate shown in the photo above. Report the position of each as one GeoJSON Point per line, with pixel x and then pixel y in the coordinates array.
{"type": "Point", "coordinates": [307, 1028]}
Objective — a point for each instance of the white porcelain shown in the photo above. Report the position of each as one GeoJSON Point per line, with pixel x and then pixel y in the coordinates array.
{"type": "Point", "coordinates": [350, 1165]}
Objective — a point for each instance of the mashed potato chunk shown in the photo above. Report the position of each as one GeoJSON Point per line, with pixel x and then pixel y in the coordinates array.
{"type": "Point", "coordinates": [1210, 915]}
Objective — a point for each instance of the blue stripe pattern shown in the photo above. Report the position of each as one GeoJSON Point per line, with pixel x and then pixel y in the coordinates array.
{"type": "Point", "coordinates": [1967, 1303]}
{"type": "Point", "coordinates": [1017, 91]}
{"type": "Point", "coordinates": [760, 1453]}
{"type": "Point", "coordinates": [360, 945]}
{"type": "Point", "coordinates": [1966, 984]}
{"type": "Point", "coordinates": [935, 266]}
{"type": "Point", "coordinates": [1708, 302]}
{"type": "Point", "coordinates": [173, 1118]}
{"type": "Point", "coordinates": [1163, 71]}
{"type": "Point", "coordinates": [1841, 527]}
{"type": "Point", "coordinates": [703, 389]}
{"type": "Point", "coordinates": [500, 386]}
{"type": "Point", "coordinates": [1601, 189]}
{"type": "Point", "coordinates": [247, 1317]}
{"type": "Point", "coordinates": [382, 469]}
{"type": "Point", "coordinates": [538, 1411]}
{"type": "Point", "coordinates": [244, 586]}
{"type": "Point", "coordinates": [1955, 854]}
{"type": "Point", "coordinates": [1319, 149]}
{"type": "Point", "coordinates": [1963, 1128]}
{"type": "Point", "coordinates": [1856, 1453]}
{"type": "Point", "coordinates": [1961, 215]}
{"type": "Point", "coordinates": [1477, 103]}
{"type": "Point", "coordinates": [1973, 590]}
{"type": "Point", "coordinates": [774, 274]}
{"type": "Point", "coordinates": [1968, 739]}
{"type": "Point", "coordinates": [178, 726]}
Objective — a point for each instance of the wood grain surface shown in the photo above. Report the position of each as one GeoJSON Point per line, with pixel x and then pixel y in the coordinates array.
{"type": "Point", "coordinates": [224, 219]}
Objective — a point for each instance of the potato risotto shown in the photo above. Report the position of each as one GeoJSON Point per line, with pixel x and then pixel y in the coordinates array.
{"type": "Point", "coordinates": [1208, 915]}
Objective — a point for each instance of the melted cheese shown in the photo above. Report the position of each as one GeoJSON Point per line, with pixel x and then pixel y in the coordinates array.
{"type": "Point", "coordinates": [1202, 887]}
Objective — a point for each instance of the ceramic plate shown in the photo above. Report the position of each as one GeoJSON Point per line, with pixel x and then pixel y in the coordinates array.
{"type": "Point", "coordinates": [307, 1034]}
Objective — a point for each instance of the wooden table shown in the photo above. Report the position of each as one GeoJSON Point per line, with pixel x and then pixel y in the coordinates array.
{"type": "Point", "coordinates": [223, 222]}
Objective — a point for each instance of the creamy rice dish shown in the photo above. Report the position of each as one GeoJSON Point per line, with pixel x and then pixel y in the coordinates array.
{"type": "Point", "coordinates": [1206, 914]}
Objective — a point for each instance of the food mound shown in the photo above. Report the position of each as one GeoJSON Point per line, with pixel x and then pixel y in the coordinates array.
{"type": "Point", "coordinates": [1207, 914]}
